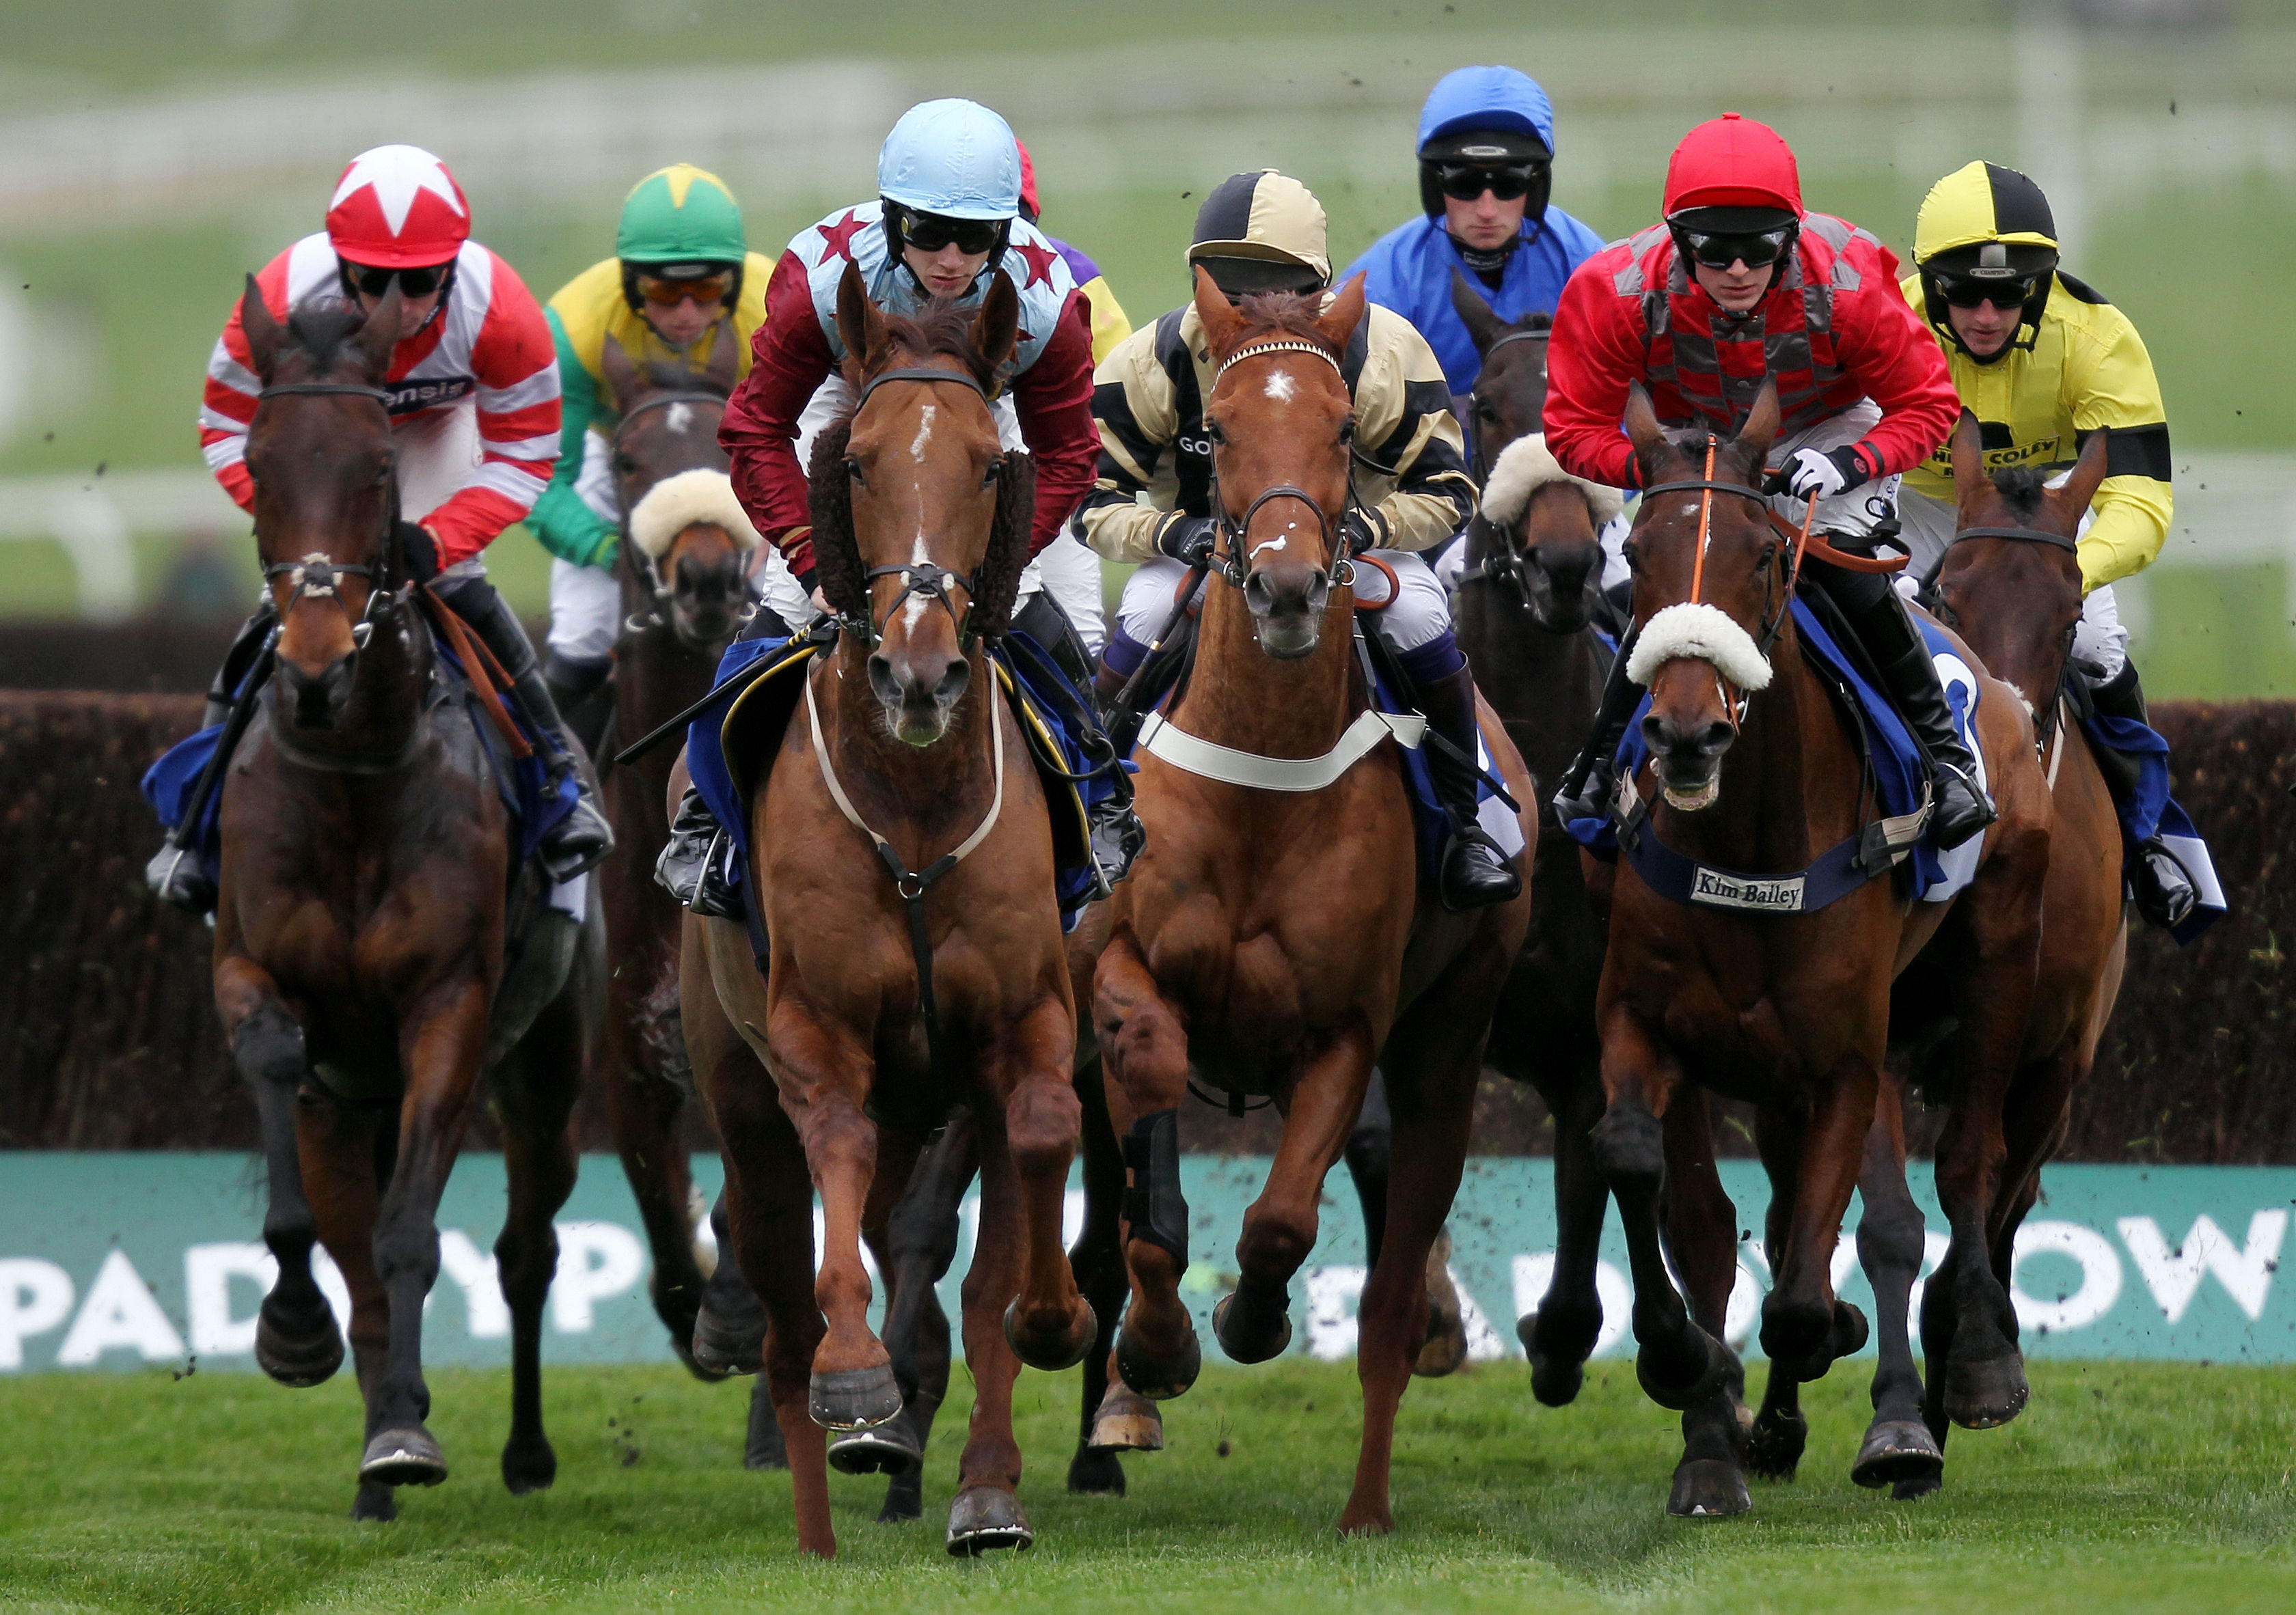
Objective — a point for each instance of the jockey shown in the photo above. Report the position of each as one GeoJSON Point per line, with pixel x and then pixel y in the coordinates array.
{"type": "Point", "coordinates": [1740, 285]}
{"type": "Point", "coordinates": [946, 218]}
{"type": "Point", "coordinates": [473, 404]}
{"type": "Point", "coordinates": [1485, 156]}
{"type": "Point", "coordinates": [2044, 362]}
{"type": "Point", "coordinates": [682, 272]}
{"type": "Point", "coordinates": [1259, 233]}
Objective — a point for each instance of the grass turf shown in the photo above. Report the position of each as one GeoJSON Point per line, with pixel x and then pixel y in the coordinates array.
{"type": "Point", "coordinates": [2124, 1487]}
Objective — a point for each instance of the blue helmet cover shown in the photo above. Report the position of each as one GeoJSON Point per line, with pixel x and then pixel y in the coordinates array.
{"type": "Point", "coordinates": [1486, 98]}
{"type": "Point", "coordinates": [953, 157]}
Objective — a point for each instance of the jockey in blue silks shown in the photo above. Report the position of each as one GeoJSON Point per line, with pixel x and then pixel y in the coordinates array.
{"type": "Point", "coordinates": [1485, 165]}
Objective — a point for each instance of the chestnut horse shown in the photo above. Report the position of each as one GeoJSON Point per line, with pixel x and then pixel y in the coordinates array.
{"type": "Point", "coordinates": [1759, 769]}
{"type": "Point", "coordinates": [1280, 941]}
{"type": "Point", "coordinates": [369, 966]}
{"type": "Point", "coordinates": [887, 1001]}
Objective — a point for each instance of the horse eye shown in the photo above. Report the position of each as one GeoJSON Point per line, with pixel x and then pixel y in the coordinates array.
{"type": "Point", "coordinates": [624, 466]}
{"type": "Point", "coordinates": [1212, 430]}
{"type": "Point", "coordinates": [1348, 429]}
{"type": "Point", "coordinates": [1632, 554]}
{"type": "Point", "coordinates": [853, 470]}
{"type": "Point", "coordinates": [989, 478]}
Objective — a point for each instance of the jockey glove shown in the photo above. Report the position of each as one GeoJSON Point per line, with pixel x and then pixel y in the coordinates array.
{"type": "Point", "coordinates": [1824, 473]}
{"type": "Point", "coordinates": [1187, 540]}
{"type": "Point", "coordinates": [1363, 532]}
{"type": "Point", "coordinates": [419, 549]}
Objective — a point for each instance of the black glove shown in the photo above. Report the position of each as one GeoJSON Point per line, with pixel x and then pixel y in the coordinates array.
{"type": "Point", "coordinates": [418, 550]}
{"type": "Point", "coordinates": [1825, 473]}
{"type": "Point", "coordinates": [1187, 540]}
{"type": "Point", "coordinates": [1362, 532]}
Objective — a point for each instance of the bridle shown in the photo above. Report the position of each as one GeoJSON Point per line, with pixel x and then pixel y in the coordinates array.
{"type": "Point", "coordinates": [2046, 724]}
{"type": "Point", "coordinates": [1509, 565]}
{"type": "Point", "coordinates": [1232, 562]}
{"type": "Point", "coordinates": [316, 577]}
{"type": "Point", "coordinates": [649, 573]}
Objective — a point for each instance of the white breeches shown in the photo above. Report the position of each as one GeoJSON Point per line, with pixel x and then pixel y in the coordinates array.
{"type": "Point", "coordinates": [1418, 614]}
{"type": "Point", "coordinates": [1928, 527]}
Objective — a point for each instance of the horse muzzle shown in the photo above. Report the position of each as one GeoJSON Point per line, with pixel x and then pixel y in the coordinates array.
{"type": "Point", "coordinates": [1688, 758]}
{"type": "Point", "coordinates": [1287, 605]}
{"type": "Point", "coordinates": [918, 697]}
{"type": "Point", "coordinates": [709, 601]}
{"type": "Point", "coordinates": [1557, 585]}
{"type": "Point", "coordinates": [318, 699]}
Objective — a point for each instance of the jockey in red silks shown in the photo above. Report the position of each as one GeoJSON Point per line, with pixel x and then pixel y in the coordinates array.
{"type": "Point", "coordinates": [1739, 285]}
{"type": "Point", "coordinates": [473, 393]}
{"type": "Point", "coordinates": [947, 216]}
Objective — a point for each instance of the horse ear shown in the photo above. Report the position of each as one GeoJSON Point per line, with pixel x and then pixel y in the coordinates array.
{"type": "Point", "coordinates": [1221, 322]}
{"type": "Point", "coordinates": [263, 331]}
{"type": "Point", "coordinates": [1481, 320]}
{"type": "Point", "coordinates": [621, 373]}
{"type": "Point", "coordinates": [1762, 427]}
{"type": "Point", "coordinates": [996, 328]}
{"type": "Point", "coordinates": [859, 326]}
{"type": "Point", "coordinates": [2088, 472]}
{"type": "Point", "coordinates": [725, 358]}
{"type": "Point", "coordinates": [380, 334]}
{"type": "Point", "coordinates": [1969, 479]}
{"type": "Point", "coordinates": [1641, 422]}
{"type": "Point", "coordinates": [1345, 314]}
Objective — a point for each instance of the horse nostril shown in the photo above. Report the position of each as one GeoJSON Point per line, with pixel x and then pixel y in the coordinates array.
{"type": "Point", "coordinates": [1715, 739]}
{"type": "Point", "coordinates": [1659, 734]}
{"type": "Point", "coordinates": [953, 682]}
{"type": "Point", "coordinates": [1256, 596]}
{"type": "Point", "coordinates": [888, 688]}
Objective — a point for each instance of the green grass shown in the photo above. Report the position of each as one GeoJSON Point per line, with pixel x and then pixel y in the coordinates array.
{"type": "Point", "coordinates": [2124, 1487]}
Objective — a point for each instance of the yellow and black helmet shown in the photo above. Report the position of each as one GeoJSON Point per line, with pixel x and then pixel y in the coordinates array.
{"type": "Point", "coordinates": [1986, 226]}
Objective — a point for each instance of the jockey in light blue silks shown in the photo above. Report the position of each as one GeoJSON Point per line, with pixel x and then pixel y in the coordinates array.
{"type": "Point", "coordinates": [1485, 165]}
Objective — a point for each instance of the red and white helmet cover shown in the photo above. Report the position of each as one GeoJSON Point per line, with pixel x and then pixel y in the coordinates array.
{"type": "Point", "coordinates": [397, 208]}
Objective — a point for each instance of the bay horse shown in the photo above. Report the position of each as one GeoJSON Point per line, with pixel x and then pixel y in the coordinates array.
{"type": "Point", "coordinates": [1759, 769]}
{"type": "Point", "coordinates": [1534, 563]}
{"type": "Point", "coordinates": [375, 951]}
{"type": "Point", "coordinates": [1280, 941]}
{"type": "Point", "coordinates": [886, 1002]}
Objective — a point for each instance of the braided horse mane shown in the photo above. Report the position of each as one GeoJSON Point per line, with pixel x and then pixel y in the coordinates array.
{"type": "Point", "coordinates": [942, 329]}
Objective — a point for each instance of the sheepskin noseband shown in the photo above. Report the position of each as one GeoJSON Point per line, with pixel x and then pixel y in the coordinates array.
{"type": "Point", "coordinates": [1703, 632]}
{"type": "Point", "coordinates": [1524, 467]}
{"type": "Point", "coordinates": [675, 504]}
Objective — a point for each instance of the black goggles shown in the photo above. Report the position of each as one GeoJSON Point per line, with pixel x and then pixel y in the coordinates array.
{"type": "Point", "coordinates": [930, 232]}
{"type": "Point", "coordinates": [1467, 181]}
{"type": "Point", "coordinates": [412, 282]}
{"type": "Point", "coordinates": [2000, 293]}
{"type": "Point", "coordinates": [1755, 250]}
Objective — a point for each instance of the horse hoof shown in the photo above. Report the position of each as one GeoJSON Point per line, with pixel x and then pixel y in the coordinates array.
{"type": "Point", "coordinates": [528, 1468]}
{"type": "Point", "coordinates": [1053, 1353]}
{"type": "Point", "coordinates": [1445, 1350]}
{"type": "Point", "coordinates": [1896, 1451]}
{"type": "Point", "coordinates": [1096, 1471]}
{"type": "Point", "coordinates": [853, 1398]}
{"type": "Point", "coordinates": [1774, 1446]}
{"type": "Point", "coordinates": [1556, 1378]}
{"type": "Point", "coordinates": [374, 1501]}
{"type": "Point", "coordinates": [1708, 1489]}
{"type": "Point", "coordinates": [1984, 1394]}
{"type": "Point", "coordinates": [1157, 1379]}
{"type": "Point", "coordinates": [890, 1448]}
{"type": "Point", "coordinates": [1126, 1421]}
{"type": "Point", "coordinates": [764, 1447]}
{"type": "Point", "coordinates": [1252, 1327]}
{"type": "Point", "coordinates": [1915, 1490]}
{"type": "Point", "coordinates": [723, 1347]}
{"type": "Point", "coordinates": [1681, 1396]}
{"type": "Point", "coordinates": [904, 1499]}
{"type": "Point", "coordinates": [983, 1519]}
{"type": "Point", "coordinates": [299, 1356]}
{"type": "Point", "coordinates": [1851, 1332]}
{"type": "Point", "coordinates": [407, 1456]}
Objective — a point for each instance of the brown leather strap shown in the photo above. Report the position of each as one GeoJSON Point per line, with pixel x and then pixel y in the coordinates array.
{"type": "Point", "coordinates": [478, 662]}
{"type": "Point", "coordinates": [1817, 548]}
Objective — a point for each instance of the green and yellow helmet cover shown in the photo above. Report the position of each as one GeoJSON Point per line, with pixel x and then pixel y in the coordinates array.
{"type": "Point", "coordinates": [681, 215]}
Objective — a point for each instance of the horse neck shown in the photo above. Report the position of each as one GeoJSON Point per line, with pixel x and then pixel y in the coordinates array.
{"type": "Point", "coordinates": [913, 796]}
{"type": "Point", "coordinates": [1545, 686]}
{"type": "Point", "coordinates": [1240, 697]}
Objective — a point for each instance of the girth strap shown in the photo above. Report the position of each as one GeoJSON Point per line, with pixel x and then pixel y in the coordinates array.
{"type": "Point", "coordinates": [1839, 870]}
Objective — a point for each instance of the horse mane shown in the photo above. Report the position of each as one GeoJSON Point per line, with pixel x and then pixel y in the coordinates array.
{"type": "Point", "coordinates": [1296, 315]}
{"type": "Point", "coordinates": [319, 328]}
{"type": "Point", "coordinates": [660, 375]}
{"type": "Point", "coordinates": [2022, 487]}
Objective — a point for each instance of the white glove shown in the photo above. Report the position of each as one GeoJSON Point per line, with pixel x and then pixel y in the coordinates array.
{"type": "Point", "coordinates": [1817, 471]}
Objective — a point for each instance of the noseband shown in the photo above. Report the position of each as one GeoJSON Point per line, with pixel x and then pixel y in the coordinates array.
{"type": "Point", "coordinates": [316, 577]}
{"type": "Point", "coordinates": [924, 578]}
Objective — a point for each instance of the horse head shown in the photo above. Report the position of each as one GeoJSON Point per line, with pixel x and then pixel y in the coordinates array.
{"type": "Point", "coordinates": [920, 518]}
{"type": "Point", "coordinates": [1283, 426]}
{"type": "Point", "coordinates": [326, 498]}
{"type": "Point", "coordinates": [690, 544]}
{"type": "Point", "coordinates": [1709, 591]}
{"type": "Point", "coordinates": [2011, 582]}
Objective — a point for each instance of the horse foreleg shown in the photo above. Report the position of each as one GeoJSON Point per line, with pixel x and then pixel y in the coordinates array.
{"type": "Point", "coordinates": [338, 1148]}
{"type": "Point", "coordinates": [1702, 1231]}
{"type": "Point", "coordinates": [533, 1094]}
{"type": "Point", "coordinates": [1049, 1324]}
{"type": "Point", "coordinates": [645, 1110]}
{"type": "Point", "coordinates": [1114, 1417]}
{"type": "Point", "coordinates": [1145, 1048]}
{"type": "Point", "coordinates": [1892, 1237]}
{"type": "Point", "coordinates": [987, 1513]}
{"type": "Point", "coordinates": [1804, 1326]}
{"type": "Point", "coordinates": [1777, 1433]}
{"type": "Point", "coordinates": [1560, 1335]}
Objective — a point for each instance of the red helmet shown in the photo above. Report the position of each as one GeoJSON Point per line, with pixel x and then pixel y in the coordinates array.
{"type": "Point", "coordinates": [397, 208]}
{"type": "Point", "coordinates": [1028, 209]}
{"type": "Point", "coordinates": [1733, 162]}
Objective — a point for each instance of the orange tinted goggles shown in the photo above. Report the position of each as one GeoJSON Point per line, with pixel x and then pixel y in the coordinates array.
{"type": "Point", "coordinates": [669, 294]}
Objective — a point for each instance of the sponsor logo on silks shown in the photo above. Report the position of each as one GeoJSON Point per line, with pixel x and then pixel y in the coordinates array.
{"type": "Point", "coordinates": [1713, 887]}
{"type": "Point", "coordinates": [409, 396]}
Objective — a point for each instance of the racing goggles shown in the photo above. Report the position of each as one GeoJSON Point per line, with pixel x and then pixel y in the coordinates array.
{"type": "Point", "coordinates": [931, 232]}
{"type": "Point", "coordinates": [1755, 251]}
{"type": "Point", "coordinates": [1467, 181]}
{"type": "Point", "coordinates": [2004, 294]}
{"type": "Point", "coordinates": [412, 282]}
{"type": "Point", "coordinates": [704, 289]}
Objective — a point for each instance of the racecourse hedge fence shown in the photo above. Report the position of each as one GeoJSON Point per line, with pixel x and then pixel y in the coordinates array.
{"type": "Point", "coordinates": [108, 1037]}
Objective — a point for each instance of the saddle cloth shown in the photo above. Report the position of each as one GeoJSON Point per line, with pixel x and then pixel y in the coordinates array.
{"type": "Point", "coordinates": [2149, 811]}
{"type": "Point", "coordinates": [731, 746]}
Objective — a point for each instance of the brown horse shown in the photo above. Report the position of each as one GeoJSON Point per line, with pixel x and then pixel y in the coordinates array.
{"type": "Point", "coordinates": [1759, 769]}
{"type": "Point", "coordinates": [1279, 939]}
{"type": "Point", "coordinates": [369, 966]}
{"type": "Point", "coordinates": [887, 1001]}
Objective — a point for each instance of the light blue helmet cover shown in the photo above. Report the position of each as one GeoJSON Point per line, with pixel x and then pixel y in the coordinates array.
{"type": "Point", "coordinates": [952, 157]}
{"type": "Point", "coordinates": [1486, 98]}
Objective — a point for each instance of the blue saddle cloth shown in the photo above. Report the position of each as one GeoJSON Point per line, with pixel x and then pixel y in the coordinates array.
{"type": "Point", "coordinates": [730, 747]}
{"type": "Point", "coordinates": [2151, 811]}
{"type": "Point", "coordinates": [524, 784]}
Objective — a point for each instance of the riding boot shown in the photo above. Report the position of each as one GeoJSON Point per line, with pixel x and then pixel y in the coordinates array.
{"type": "Point", "coordinates": [2163, 890]}
{"type": "Point", "coordinates": [691, 867]}
{"type": "Point", "coordinates": [1116, 833]}
{"type": "Point", "coordinates": [1959, 809]}
{"type": "Point", "coordinates": [582, 839]}
{"type": "Point", "coordinates": [574, 683]}
{"type": "Point", "coordinates": [1592, 780]}
{"type": "Point", "coordinates": [175, 873]}
{"type": "Point", "coordinates": [1475, 874]}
